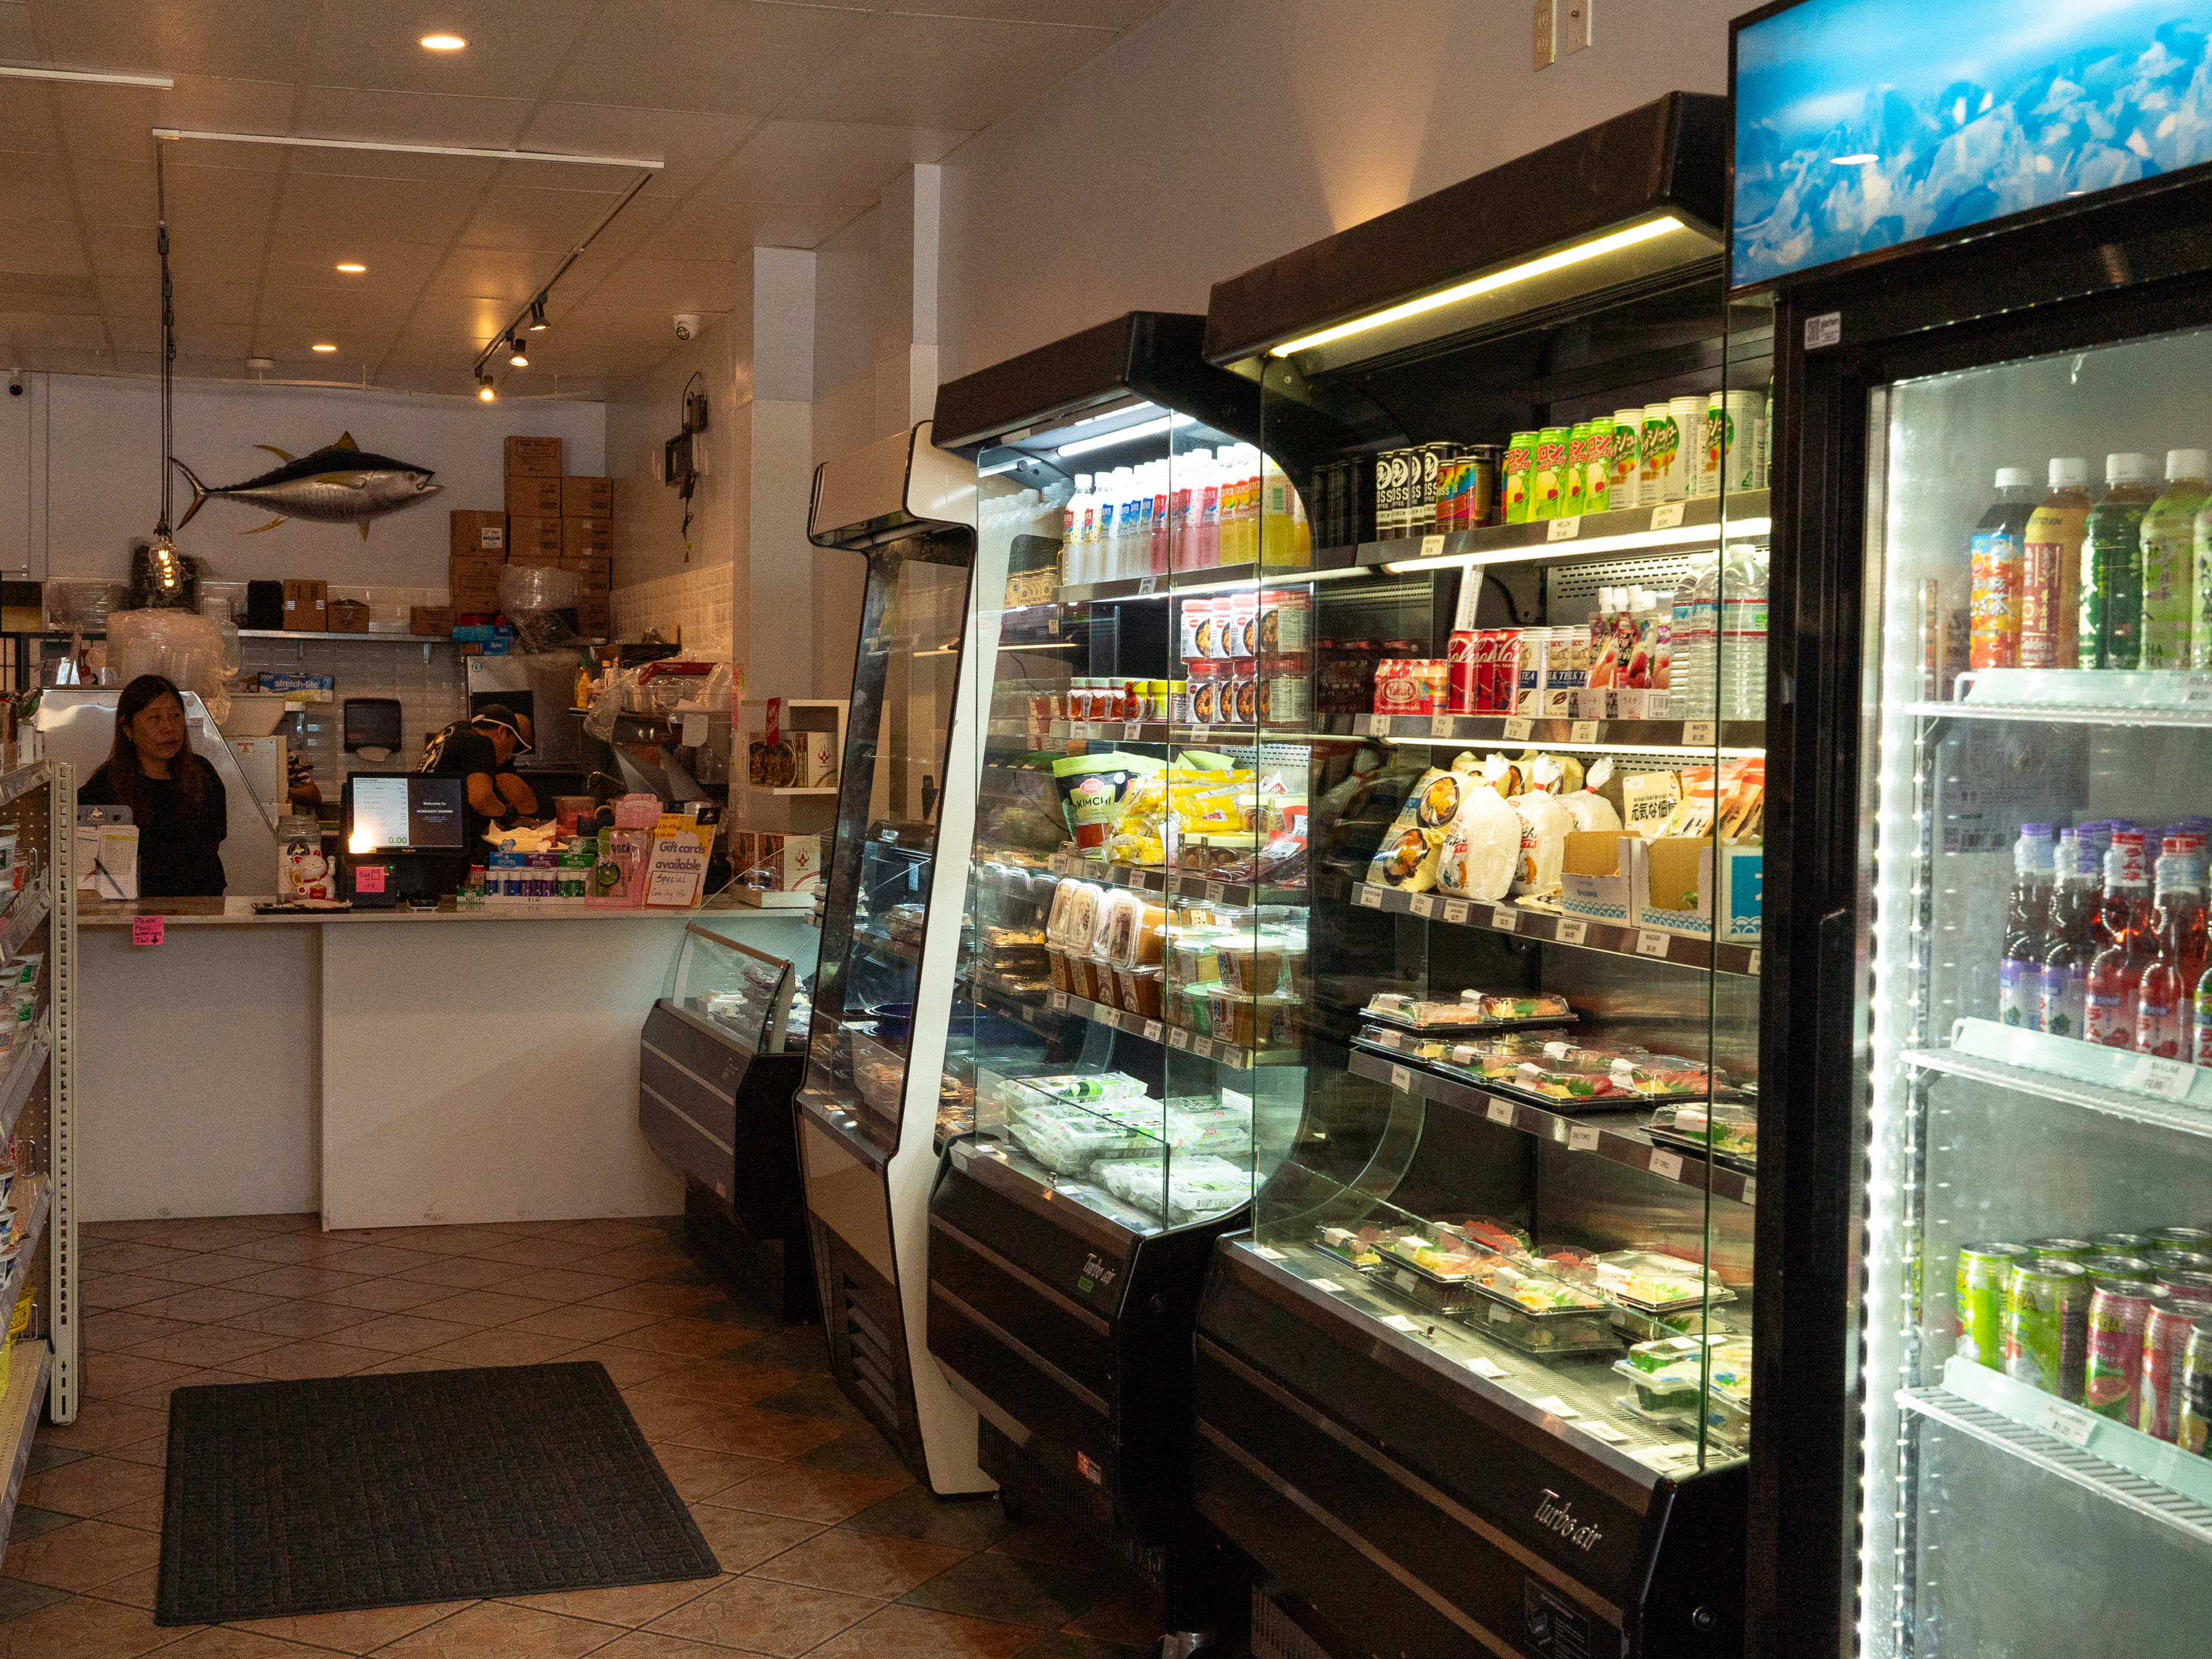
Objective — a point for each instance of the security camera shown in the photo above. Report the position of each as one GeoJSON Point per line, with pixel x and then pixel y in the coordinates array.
{"type": "Point", "coordinates": [687, 325]}
{"type": "Point", "coordinates": [15, 385]}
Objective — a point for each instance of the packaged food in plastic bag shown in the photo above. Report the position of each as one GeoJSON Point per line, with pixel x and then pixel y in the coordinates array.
{"type": "Point", "coordinates": [1481, 847]}
{"type": "Point", "coordinates": [1544, 827]}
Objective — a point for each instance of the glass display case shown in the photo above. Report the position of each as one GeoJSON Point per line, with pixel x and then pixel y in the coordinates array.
{"type": "Point", "coordinates": [720, 1058]}
{"type": "Point", "coordinates": [892, 924]}
{"type": "Point", "coordinates": [1127, 1046]}
{"type": "Point", "coordinates": [1492, 1317]}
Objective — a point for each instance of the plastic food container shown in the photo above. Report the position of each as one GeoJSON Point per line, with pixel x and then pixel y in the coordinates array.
{"type": "Point", "coordinates": [1141, 989]}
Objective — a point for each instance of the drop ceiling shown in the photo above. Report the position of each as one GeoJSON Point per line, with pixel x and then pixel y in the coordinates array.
{"type": "Point", "coordinates": [777, 123]}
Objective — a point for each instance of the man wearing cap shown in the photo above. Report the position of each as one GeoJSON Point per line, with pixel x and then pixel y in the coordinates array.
{"type": "Point", "coordinates": [481, 751]}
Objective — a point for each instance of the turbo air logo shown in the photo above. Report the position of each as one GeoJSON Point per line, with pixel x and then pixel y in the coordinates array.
{"type": "Point", "coordinates": [1558, 1514]}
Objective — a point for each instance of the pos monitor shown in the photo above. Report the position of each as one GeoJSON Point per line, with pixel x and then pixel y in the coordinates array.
{"type": "Point", "coordinates": [400, 831]}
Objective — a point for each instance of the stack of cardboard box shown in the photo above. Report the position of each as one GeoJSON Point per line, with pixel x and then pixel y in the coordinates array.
{"type": "Point", "coordinates": [588, 547]}
{"type": "Point", "coordinates": [548, 519]}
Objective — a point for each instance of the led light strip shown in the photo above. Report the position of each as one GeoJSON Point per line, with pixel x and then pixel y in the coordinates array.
{"type": "Point", "coordinates": [1124, 434]}
{"type": "Point", "coordinates": [85, 77]}
{"type": "Point", "coordinates": [466, 152]}
{"type": "Point", "coordinates": [1689, 535]}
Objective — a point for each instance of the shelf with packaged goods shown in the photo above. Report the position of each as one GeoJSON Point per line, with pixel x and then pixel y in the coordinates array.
{"type": "Point", "coordinates": [21, 1077]}
{"type": "Point", "coordinates": [1026, 1007]}
{"type": "Point", "coordinates": [1691, 738]}
{"type": "Point", "coordinates": [2165, 1094]}
{"type": "Point", "coordinates": [29, 1199]}
{"type": "Point", "coordinates": [887, 944]}
{"type": "Point", "coordinates": [21, 781]}
{"type": "Point", "coordinates": [1160, 584]}
{"type": "Point", "coordinates": [1504, 917]}
{"type": "Point", "coordinates": [1614, 1136]}
{"type": "Point", "coordinates": [21, 919]}
{"type": "Point", "coordinates": [1198, 888]}
{"type": "Point", "coordinates": [1609, 535]}
{"type": "Point", "coordinates": [21, 1410]}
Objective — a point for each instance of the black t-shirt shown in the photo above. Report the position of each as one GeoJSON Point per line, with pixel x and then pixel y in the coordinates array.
{"type": "Point", "coordinates": [180, 853]}
{"type": "Point", "coordinates": [461, 751]}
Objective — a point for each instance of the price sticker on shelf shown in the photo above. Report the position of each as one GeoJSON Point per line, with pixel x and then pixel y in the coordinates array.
{"type": "Point", "coordinates": [1668, 1166]}
{"type": "Point", "coordinates": [1329, 1285]}
{"type": "Point", "coordinates": [1499, 1112]}
{"type": "Point", "coordinates": [1504, 919]}
{"type": "Point", "coordinates": [1563, 529]}
{"type": "Point", "coordinates": [1423, 904]}
{"type": "Point", "coordinates": [1059, 1002]}
{"type": "Point", "coordinates": [1267, 1253]}
{"type": "Point", "coordinates": [1369, 896]}
{"type": "Point", "coordinates": [1650, 942]}
{"type": "Point", "coordinates": [1401, 1078]}
{"type": "Point", "coordinates": [1583, 732]}
{"type": "Point", "coordinates": [1132, 730]}
{"type": "Point", "coordinates": [2196, 689]}
{"type": "Point", "coordinates": [1455, 911]}
{"type": "Point", "coordinates": [2169, 1078]}
{"type": "Point", "coordinates": [1696, 734]}
{"type": "Point", "coordinates": [1751, 1189]}
{"type": "Point", "coordinates": [1400, 1322]}
{"type": "Point", "coordinates": [1605, 1431]}
{"type": "Point", "coordinates": [1202, 1047]}
{"type": "Point", "coordinates": [1571, 931]}
{"type": "Point", "coordinates": [1178, 1037]}
{"type": "Point", "coordinates": [1518, 728]}
{"type": "Point", "coordinates": [1154, 1030]}
{"type": "Point", "coordinates": [1555, 1406]}
{"type": "Point", "coordinates": [1389, 1039]}
{"type": "Point", "coordinates": [1489, 1368]}
{"type": "Point", "coordinates": [1379, 726]}
{"type": "Point", "coordinates": [1582, 1138]}
{"type": "Point", "coordinates": [1431, 546]}
{"type": "Point", "coordinates": [1667, 516]}
{"type": "Point", "coordinates": [1148, 584]}
{"type": "Point", "coordinates": [2062, 1421]}
{"type": "Point", "coordinates": [1440, 726]}
{"type": "Point", "coordinates": [1215, 892]}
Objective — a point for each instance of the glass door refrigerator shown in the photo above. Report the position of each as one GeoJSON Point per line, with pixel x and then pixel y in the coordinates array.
{"type": "Point", "coordinates": [1476, 1380]}
{"type": "Point", "coordinates": [891, 926]}
{"type": "Point", "coordinates": [1135, 863]}
{"type": "Point", "coordinates": [1987, 1216]}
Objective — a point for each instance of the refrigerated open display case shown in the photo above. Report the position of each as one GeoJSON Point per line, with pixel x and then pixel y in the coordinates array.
{"type": "Point", "coordinates": [1137, 870]}
{"type": "Point", "coordinates": [1477, 1379]}
{"type": "Point", "coordinates": [868, 1110]}
{"type": "Point", "coordinates": [1990, 1111]}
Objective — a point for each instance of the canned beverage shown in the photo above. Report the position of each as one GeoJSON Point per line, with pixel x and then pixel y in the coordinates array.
{"type": "Point", "coordinates": [2180, 1261]}
{"type": "Point", "coordinates": [1427, 490]}
{"type": "Point", "coordinates": [2165, 1356]}
{"type": "Point", "coordinates": [1520, 461]}
{"type": "Point", "coordinates": [1532, 666]}
{"type": "Point", "coordinates": [2194, 1430]}
{"type": "Point", "coordinates": [1659, 463]}
{"type": "Point", "coordinates": [1389, 493]}
{"type": "Point", "coordinates": [1712, 440]}
{"type": "Point", "coordinates": [1547, 473]}
{"type": "Point", "coordinates": [1980, 1300]}
{"type": "Point", "coordinates": [1575, 485]}
{"type": "Point", "coordinates": [2113, 1265]}
{"type": "Point", "coordinates": [2061, 1249]}
{"type": "Point", "coordinates": [1735, 444]}
{"type": "Point", "coordinates": [1460, 658]}
{"type": "Point", "coordinates": [1451, 478]}
{"type": "Point", "coordinates": [1503, 678]}
{"type": "Point", "coordinates": [2119, 1310]}
{"type": "Point", "coordinates": [2189, 1286]}
{"type": "Point", "coordinates": [2178, 1238]}
{"type": "Point", "coordinates": [1481, 487]}
{"type": "Point", "coordinates": [1597, 492]}
{"type": "Point", "coordinates": [1627, 458]}
{"type": "Point", "coordinates": [1689, 416]}
{"type": "Point", "coordinates": [2046, 1325]}
{"type": "Point", "coordinates": [2126, 1243]}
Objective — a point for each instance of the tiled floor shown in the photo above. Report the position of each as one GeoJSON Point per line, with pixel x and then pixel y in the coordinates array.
{"type": "Point", "coordinates": [828, 1548]}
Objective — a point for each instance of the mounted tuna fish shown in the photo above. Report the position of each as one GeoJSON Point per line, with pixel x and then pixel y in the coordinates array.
{"type": "Point", "coordinates": [341, 484]}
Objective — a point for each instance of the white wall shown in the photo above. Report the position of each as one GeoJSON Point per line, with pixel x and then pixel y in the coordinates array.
{"type": "Point", "coordinates": [92, 474]}
{"type": "Point", "coordinates": [1223, 133]}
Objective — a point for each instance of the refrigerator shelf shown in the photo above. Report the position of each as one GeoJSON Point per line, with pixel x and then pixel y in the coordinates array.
{"type": "Point", "coordinates": [1157, 586]}
{"type": "Point", "coordinates": [1647, 944]}
{"type": "Point", "coordinates": [1240, 896]}
{"type": "Point", "coordinates": [1625, 530]}
{"type": "Point", "coordinates": [1615, 1136]}
{"type": "Point", "coordinates": [2096, 1080]}
{"type": "Point", "coordinates": [1179, 1037]}
{"type": "Point", "coordinates": [1694, 738]}
{"type": "Point", "coordinates": [2068, 714]}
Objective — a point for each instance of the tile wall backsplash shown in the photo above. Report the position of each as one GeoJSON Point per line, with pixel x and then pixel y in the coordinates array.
{"type": "Point", "coordinates": [700, 602]}
{"type": "Point", "coordinates": [427, 679]}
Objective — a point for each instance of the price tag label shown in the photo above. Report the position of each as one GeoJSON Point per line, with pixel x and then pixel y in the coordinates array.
{"type": "Point", "coordinates": [1583, 732]}
{"type": "Point", "coordinates": [1440, 726]}
{"type": "Point", "coordinates": [1370, 896]}
{"type": "Point", "coordinates": [1154, 1030]}
{"type": "Point", "coordinates": [1752, 967]}
{"type": "Point", "coordinates": [1668, 1166]}
{"type": "Point", "coordinates": [1148, 584]}
{"type": "Point", "coordinates": [1132, 730]}
{"type": "Point", "coordinates": [1555, 1406]}
{"type": "Point", "coordinates": [1696, 734]}
{"type": "Point", "coordinates": [1215, 892]}
{"type": "Point", "coordinates": [1505, 918]}
{"type": "Point", "coordinates": [1456, 910]}
{"type": "Point", "coordinates": [2062, 1421]}
{"type": "Point", "coordinates": [1390, 1039]}
{"type": "Point", "coordinates": [1751, 1189]}
{"type": "Point", "coordinates": [1401, 1078]}
{"type": "Point", "coordinates": [1572, 931]}
{"type": "Point", "coordinates": [1604, 1431]}
{"type": "Point", "coordinates": [148, 930]}
{"type": "Point", "coordinates": [1489, 1368]}
{"type": "Point", "coordinates": [1582, 1138]}
{"type": "Point", "coordinates": [1650, 942]}
{"type": "Point", "coordinates": [1098, 869]}
{"type": "Point", "coordinates": [1423, 904]}
{"type": "Point", "coordinates": [1202, 1047]}
{"type": "Point", "coordinates": [1379, 726]}
{"type": "Point", "coordinates": [1329, 1285]}
{"type": "Point", "coordinates": [1669, 516]}
{"type": "Point", "coordinates": [1432, 545]}
{"type": "Point", "coordinates": [2196, 689]}
{"type": "Point", "coordinates": [1059, 1002]}
{"type": "Point", "coordinates": [1267, 1253]}
{"type": "Point", "coordinates": [1563, 529]}
{"type": "Point", "coordinates": [1178, 1037]}
{"type": "Point", "coordinates": [1399, 1322]}
{"type": "Point", "coordinates": [1517, 727]}
{"type": "Point", "coordinates": [1498, 1111]}
{"type": "Point", "coordinates": [2169, 1078]}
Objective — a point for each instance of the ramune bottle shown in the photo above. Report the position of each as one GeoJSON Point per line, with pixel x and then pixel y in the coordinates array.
{"type": "Point", "coordinates": [2027, 927]}
{"type": "Point", "coordinates": [2116, 972]}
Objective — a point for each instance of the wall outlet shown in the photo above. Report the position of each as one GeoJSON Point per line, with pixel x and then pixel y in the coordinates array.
{"type": "Point", "coordinates": [1547, 32]}
{"type": "Point", "coordinates": [1575, 25]}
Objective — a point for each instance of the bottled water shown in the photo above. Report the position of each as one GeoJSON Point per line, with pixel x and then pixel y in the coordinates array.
{"type": "Point", "coordinates": [1743, 635]}
{"type": "Point", "coordinates": [1690, 676]}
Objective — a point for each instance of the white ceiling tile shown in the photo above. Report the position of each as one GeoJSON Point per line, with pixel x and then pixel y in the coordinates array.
{"type": "Point", "coordinates": [26, 117]}
{"type": "Point", "coordinates": [63, 294]}
{"type": "Point", "coordinates": [837, 163]}
{"type": "Point", "coordinates": [22, 328]}
{"type": "Point", "coordinates": [18, 39]}
{"type": "Point", "coordinates": [116, 123]}
{"type": "Point", "coordinates": [35, 187]}
{"type": "Point", "coordinates": [677, 284]}
{"type": "Point", "coordinates": [119, 251]}
{"type": "Point", "coordinates": [303, 311]}
{"type": "Point", "coordinates": [733, 57]}
{"type": "Point", "coordinates": [723, 230]}
{"type": "Point", "coordinates": [493, 273]}
{"type": "Point", "coordinates": [216, 303]}
{"type": "Point", "coordinates": [513, 49]}
{"type": "Point", "coordinates": [256, 39]}
{"type": "Point", "coordinates": [409, 118]}
{"type": "Point", "coordinates": [458, 322]}
{"type": "Point", "coordinates": [1093, 14]}
{"type": "Point", "coordinates": [690, 143]}
{"type": "Point", "coordinates": [301, 262]}
{"type": "Point", "coordinates": [372, 209]}
{"type": "Point", "coordinates": [553, 219]}
{"type": "Point", "coordinates": [114, 192]}
{"type": "Point", "coordinates": [946, 72]}
{"type": "Point", "coordinates": [387, 164]}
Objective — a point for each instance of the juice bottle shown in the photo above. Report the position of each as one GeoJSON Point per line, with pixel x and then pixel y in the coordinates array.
{"type": "Point", "coordinates": [2169, 561]}
{"type": "Point", "coordinates": [2113, 567]}
{"type": "Point", "coordinates": [2050, 570]}
{"type": "Point", "coordinates": [2074, 934]}
{"type": "Point", "coordinates": [2164, 1000]}
{"type": "Point", "coordinates": [2116, 974]}
{"type": "Point", "coordinates": [2027, 927]}
{"type": "Point", "coordinates": [1997, 550]}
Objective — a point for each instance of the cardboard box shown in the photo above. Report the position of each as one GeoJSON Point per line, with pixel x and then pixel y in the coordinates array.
{"type": "Point", "coordinates": [598, 571]}
{"type": "Point", "coordinates": [1597, 875]}
{"type": "Point", "coordinates": [307, 607]}
{"type": "Point", "coordinates": [587, 498]}
{"type": "Point", "coordinates": [436, 619]}
{"type": "Point", "coordinates": [533, 498]}
{"type": "Point", "coordinates": [789, 863]}
{"type": "Point", "coordinates": [584, 537]}
{"type": "Point", "coordinates": [348, 616]}
{"type": "Point", "coordinates": [543, 560]}
{"type": "Point", "coordinates": [533, 458]}
{"type": "Point", "coordinates": [532, 535]}
{"type": "Point", "coordinates": [474, 583]}
{"type": "Point", "coordinates": [1685, 880]}
{"type": "Point", "coordinates": [476, 534]}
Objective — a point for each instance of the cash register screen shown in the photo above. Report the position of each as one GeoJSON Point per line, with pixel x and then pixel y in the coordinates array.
{"type": "Point", "coordinates": [411, 813]}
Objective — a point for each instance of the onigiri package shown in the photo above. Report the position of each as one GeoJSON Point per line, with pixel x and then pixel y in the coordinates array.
{"type": "Point", "coordinates": [1481, 847]}
{"type": "Point", "coordinates": [1544, 827]}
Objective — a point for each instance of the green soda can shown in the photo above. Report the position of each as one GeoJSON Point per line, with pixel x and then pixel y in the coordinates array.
{"type": "Point", "coordinates": [2114, 1264]}
{"type": "Point", "coordinates": [1980, 1300]}
{"type": "Point", "coordinates": [1628, 457]}
{"type": "Point", "coordinates": [1547, 473]}
{"type": "Point", "coordinates": [2046, 1325]}
{"type": "Point", "coordinates": [2061, 1249]}
{"type": "Point", "coordinates": [2124, 1243]}
{"type": "Point", "coordinates": [1520, 457]}
{"type": "Point", "coordinates": [1574, 501]}
{"type": "Point", "coordinates": [1597, 491]}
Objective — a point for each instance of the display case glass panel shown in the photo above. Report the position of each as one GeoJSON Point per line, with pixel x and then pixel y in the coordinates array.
{"type": "Point", "coordinates": [756, 998]}
{"type": "Point", "coordinates": [2038, 1230]}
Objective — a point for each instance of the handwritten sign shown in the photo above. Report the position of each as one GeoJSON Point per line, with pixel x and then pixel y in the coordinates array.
{"type": "Point", "coordinates": [146, 930]}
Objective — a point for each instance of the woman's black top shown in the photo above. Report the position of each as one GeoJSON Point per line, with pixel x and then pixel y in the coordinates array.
{"type": "Point", "coordinates": [180, 853]}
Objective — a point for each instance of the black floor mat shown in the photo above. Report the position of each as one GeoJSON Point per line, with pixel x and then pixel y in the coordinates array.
{"type": "Point", "coordinates": [342, 1493]}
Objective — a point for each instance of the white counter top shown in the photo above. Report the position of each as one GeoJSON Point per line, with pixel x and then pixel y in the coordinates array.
{"type": "Point", "coordinates": [235, 911]}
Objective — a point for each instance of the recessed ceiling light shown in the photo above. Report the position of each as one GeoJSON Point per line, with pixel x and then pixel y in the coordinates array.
{"type": "Point", "coordinates": [323, 348]}
{"type": "Point", "coordinates": [351, 269]}
{"type": "Point", "coordinates": [443, 43]}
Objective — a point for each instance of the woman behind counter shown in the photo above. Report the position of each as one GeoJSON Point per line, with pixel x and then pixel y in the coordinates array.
{"type": "Point", "coordinates": [175, 796]}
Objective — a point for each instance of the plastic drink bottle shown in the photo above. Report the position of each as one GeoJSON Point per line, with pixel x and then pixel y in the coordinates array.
{"type": "Point", "coordinates": [2164, 999]}
{"type": "Point", "coordinates": [1996, 549]}
{"type": "Point", "coordinates": [2169, 562]}
{"type": "Point", "coordinates": [2116, 972]}
{"type": "Point", "coordinates": [2112, 567]}
{"type": "Point", "coordinates": [2074, 934]}
{"type": "Point", "coordinates": [1743, 636]}
{"type": "Point", "coordinates": [1074, 544]}
{"type": "Point", "coordinates": [2050, 569]}
{"type": "Point", "coordinates": [2027, 927]}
